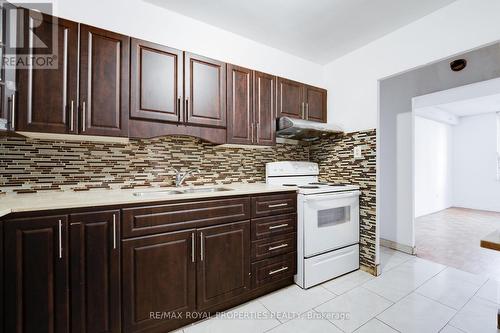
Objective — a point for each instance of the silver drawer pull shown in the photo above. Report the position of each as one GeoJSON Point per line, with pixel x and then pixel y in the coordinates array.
{"type": "Point", "coordinates": [60, 239]}
{"type": "Point", "coordinates": [278, 270]}
{"type": "Point", "coordinates": [278, 226]}
{"type": "Point", "coordinates": [278, 247]}
{"type": "Point", "coordinates": [278, 205]}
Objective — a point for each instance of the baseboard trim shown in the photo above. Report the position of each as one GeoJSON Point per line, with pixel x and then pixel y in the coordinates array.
{"type": "Point", "coordinates": [397, 246]}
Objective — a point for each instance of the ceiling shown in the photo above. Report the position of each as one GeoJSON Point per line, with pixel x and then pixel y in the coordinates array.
{"type": "Point", "coordinates": [473, 106]}
{"type": "Point", "coordinates": [316, 30]}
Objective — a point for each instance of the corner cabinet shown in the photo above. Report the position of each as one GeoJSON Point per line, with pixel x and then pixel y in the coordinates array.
{"type": "Point", "coordinates": [104, 82]}
{"type": "Point", "coordinates": [251, 106]}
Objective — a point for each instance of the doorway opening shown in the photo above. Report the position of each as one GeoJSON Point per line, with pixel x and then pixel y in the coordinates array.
{"type": "Point", "coordinates": [456, 175]}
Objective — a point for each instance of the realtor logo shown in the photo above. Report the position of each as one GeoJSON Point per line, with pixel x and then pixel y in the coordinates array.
{"type": "Point", "coordinates": [31, 36]}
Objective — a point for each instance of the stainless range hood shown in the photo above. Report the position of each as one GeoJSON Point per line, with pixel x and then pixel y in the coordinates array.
{"type": "Point", "coordinates": [305, 130]}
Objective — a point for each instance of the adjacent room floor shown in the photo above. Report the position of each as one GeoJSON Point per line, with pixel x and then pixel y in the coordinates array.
{"type": "Point", "coordinates": [411, 295]}
{"type": "Point", "coordinates": [452, 236]}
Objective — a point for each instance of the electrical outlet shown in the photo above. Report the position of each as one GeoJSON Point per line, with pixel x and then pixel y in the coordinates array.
{"type": "Point", "coordinates": [358, 152]}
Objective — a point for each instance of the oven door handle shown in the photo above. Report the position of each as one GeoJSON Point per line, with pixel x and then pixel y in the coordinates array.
{"type": "Point", "coordinates": [331, 196]}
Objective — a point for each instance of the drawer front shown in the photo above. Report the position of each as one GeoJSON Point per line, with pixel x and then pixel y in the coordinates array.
{"type": "Point", "coordinates": [270, 270]}
{"type": "Point", "coordinates": [266, 227]}
{"type": "Point", "coordinates": [183, 215]}
{"type": "Point", "coordinates": [270, 247]}
{"type": "Point", "coordinates": [274, 204]}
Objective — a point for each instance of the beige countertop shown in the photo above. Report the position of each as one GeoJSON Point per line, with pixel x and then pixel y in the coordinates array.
{"type": "Point", "coordinates": [14, 203]}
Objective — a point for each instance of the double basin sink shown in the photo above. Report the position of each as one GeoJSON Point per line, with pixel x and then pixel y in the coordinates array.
{"type": "Point", "coordinates": [181, 191]}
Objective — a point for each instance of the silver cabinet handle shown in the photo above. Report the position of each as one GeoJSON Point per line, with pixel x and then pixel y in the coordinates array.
{"type": "Point", "coordinates": [114, 231]}
{"type": "Point", "coordinates": [252, 130]}
{"type": "Point", "coordinates": [83, 116]}
{"type": "Point", "coordinates": [277, 247]}
{"type": "Point", "coordinates": [278, 270]}
{"type": "Point", "coordinates": [60, 239]}
{"type": "Point", "coordinates": [278, 205]}
{"type": "Point", "coordinates": [13, 113]}
{"type": "Point", "coordinates": [192, 247]}
{"type": "Point", "coordinates": [201, 246]}
{"type": "Point", "coordinates": [307, 110]}
{"type": "Point", "coordinates": [71, 117]}
{"type": "Point", "coordinates": [302, 107]}
{"type": "Point", "coordinates": [257, 132]}
{"type": "Point", "coordinates": [278, 226]}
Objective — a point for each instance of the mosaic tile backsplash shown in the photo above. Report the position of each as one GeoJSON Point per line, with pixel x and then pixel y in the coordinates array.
{"type": "Point", "coordinates": [30, 165]}
{"type": "Point", "coordinates": [337, 164]}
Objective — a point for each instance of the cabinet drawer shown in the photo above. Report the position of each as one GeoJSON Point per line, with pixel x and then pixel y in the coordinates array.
{"type": "Point", "coordinates": [270, 270]}
{"type": "Point", "coordinates": [269, 247]}
{"type": "Point", "coordinates": [274, 204]}
{"type": "Point", "coordinates": [183, 215]}
{"type": "Point", "coordinates": [266, 227]}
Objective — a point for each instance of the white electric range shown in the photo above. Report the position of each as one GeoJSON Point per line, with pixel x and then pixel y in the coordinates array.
{"type": "Point", "coordinates": [327, 222]}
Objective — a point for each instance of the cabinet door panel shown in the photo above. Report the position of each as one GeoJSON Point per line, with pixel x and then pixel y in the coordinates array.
{"type": "Point", "coordinates": [265, 108]}
{"type": "Point", "coordinates": [47, 95]}
{"type": "Point", "coordinates": [224, 264]}
{"type": "Point", "coordinates": [36, 271]}
{"type": "Point", "coordinates": [104, 82]}
{"type": "Point", "coordinates": [95, 272]}
{"type": "Point", "coordinates": [240, 129]}
{"type": "Point", "coordinates": [158, 276]}
{"type": "Point", "coordinates": [290, 99]}
{"type": "Point", "coordinates": [205, 91]}
{"type": "Point", "coordinates": [316, 104]}
{"type": "Point", "coordinates": [156, 85]}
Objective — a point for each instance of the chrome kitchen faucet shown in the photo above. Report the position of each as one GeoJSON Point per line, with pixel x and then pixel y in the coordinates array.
{"type": "Point", "coordinates": [180, 177]}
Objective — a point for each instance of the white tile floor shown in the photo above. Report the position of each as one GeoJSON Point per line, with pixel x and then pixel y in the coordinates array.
{"type": "Point", "coordinates": [411, 295]}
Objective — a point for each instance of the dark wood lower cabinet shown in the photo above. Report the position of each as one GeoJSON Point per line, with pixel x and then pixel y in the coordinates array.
{"type": "Point", "coordinates": [73, 272]}
{"type": "Point", "coordinates": [36, 273]}
{"type": "Point", "coordinates": [223, 264]}
{"type": "Point", "coordinates": [95, 272]}
{"type": "Point", "coordinates": [159, 276]}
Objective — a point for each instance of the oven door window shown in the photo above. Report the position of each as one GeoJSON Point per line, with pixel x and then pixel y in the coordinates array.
{"type": "Point", "coordinates": [333, 216]}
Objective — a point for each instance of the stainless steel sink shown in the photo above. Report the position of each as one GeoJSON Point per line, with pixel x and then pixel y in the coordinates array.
{"type": "Point", "coordinates": [181, 191]}
{"type": "Point", "coordinates": [205, 189]}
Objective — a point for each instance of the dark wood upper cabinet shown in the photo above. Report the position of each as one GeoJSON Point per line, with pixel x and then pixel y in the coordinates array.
{"type": "Point", "coordinates": [204, 91]}
{"type": "Point", "coordinates": [240, 111]}
{"type": "Point", "coordinates": [36, 273]}
{"type": "Point", "coordinates": [315, 99]}
{"type": "Point", "coordinates": [265, 108]}
{"type": "Point", "coordinates": [223, 270]}
{"type": "Point", "coordinates": [104, 82]}
{"type": "Point", "coordinates": [95, 272]}
{"type": "Point", "coordinates": [156, 82]}
{"type": "Point", "coordinates": [290, 99]}
{"type": "Point", "coordinates": [159, 275]}
{"type": "Point", "coordinates": [47, 95]}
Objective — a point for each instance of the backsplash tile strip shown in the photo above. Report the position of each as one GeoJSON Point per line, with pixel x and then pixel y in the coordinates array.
{"type": "Point", "coordinates": [337, 164]}
{"type": "Point", "coordinates": [32, 165]}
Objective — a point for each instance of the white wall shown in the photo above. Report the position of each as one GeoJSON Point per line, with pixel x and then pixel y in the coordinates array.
{"type": "Point", "coordinates": [352, 80]}
{"type": "Point", "coordinates": [475, 163]}
{"type": "Point", "coordinates": [432, 166]}
{"type": "Point", "coordinates": [143, 20]}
